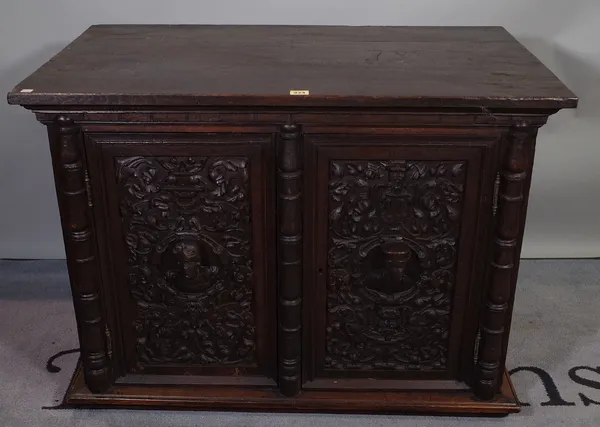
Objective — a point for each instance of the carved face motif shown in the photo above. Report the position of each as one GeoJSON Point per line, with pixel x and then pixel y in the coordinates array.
{"type": "Point", "coordinates": [393, 271]}
{"type": "Point", "coordinates": [188, 259]}
{"type": "Point", "coordinates": [188, 268]}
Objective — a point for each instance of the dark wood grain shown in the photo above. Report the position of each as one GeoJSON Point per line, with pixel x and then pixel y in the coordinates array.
{"type": "Point", "coordinates": [259, 65]}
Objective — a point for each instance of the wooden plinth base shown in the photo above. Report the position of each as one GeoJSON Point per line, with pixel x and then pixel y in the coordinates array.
{"type": "Point", "coordinates": [264, 400]}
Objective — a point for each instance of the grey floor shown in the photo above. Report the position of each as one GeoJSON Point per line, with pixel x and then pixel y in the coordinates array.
{"type": "Point", "coordinates": [556, 328]}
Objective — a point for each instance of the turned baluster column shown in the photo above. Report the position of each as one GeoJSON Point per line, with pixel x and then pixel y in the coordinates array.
{"type": "Point", "coordinates": [290, 259]}
{"type": "Point", "coordinates": [75, 205]}
{"type": "Point", "coordinates": [505, 258]}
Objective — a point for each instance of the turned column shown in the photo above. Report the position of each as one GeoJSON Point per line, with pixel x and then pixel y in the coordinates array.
{"type": "Point", "coordinates": [514, 178]}
{"type": "Point", "coordinates": [289, 190]}
{"type": "Point", "coordinates": [75, 204]}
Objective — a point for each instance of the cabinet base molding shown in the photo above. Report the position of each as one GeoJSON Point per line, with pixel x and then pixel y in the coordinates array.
{"type": "Point", "coordinates": [270, 400]}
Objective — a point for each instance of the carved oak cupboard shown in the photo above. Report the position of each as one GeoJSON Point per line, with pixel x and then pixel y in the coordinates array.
{"type": "Point", "coordinates": [293, 218]}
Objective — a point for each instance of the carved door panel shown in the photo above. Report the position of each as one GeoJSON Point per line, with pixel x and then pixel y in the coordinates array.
{"type": "Point", "coordinates": [392, 290]}
{"type": "Point", "coordinates": [190, 255]}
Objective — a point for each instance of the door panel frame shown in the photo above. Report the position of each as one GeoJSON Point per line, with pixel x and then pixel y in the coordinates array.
{"type": "Point", "coordinates": [259, 148]}
{"type": "Point", "coordinates": [478, 146]}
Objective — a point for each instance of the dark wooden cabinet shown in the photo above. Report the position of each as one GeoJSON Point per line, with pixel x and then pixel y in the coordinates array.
{"type": "Point", "coordinates": [232, 245]}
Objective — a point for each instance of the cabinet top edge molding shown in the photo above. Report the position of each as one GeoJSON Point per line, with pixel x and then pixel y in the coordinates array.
{"type": "Point", "coordinates": [295, 66]}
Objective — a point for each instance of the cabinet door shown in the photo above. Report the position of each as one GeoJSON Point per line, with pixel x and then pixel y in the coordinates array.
{"type": "Point", "coordinates": [399, 225]}
{"type": "Point", "coordinates": [187, 256]}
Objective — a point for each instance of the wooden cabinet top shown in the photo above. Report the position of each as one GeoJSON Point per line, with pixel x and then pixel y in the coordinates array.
{"type": "Point", "coordinates": [187, 65]}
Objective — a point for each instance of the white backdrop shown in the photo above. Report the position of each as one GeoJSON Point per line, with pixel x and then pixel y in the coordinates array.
{"type": "Point", "coordinates": [564, 212]}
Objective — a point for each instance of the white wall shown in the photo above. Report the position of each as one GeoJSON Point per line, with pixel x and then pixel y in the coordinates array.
{"type": "Point", "coordinates": [564, 218]}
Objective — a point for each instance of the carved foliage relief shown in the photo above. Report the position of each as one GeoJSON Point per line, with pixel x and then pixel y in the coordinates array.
{"type": "Point", "coordinates": [393, 233]}
{"type": "Point", "coordinates": [187, 227]}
